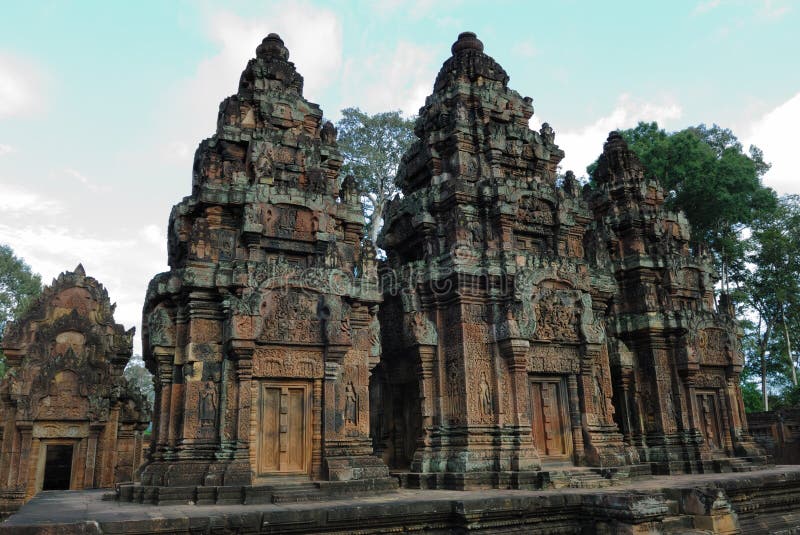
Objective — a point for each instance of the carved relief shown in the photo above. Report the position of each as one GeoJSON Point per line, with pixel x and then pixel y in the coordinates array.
{"type": "Point", "coordinates": [556, 316]}
{"type": "Point", "coordinates": [276, 362]}
{"type": "Point", "coordinates": [65, 360]}
{"type": "Point", "coordinates": [290, 317]}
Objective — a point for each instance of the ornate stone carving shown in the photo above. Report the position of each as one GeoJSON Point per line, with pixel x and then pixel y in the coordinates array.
{"type": "Point", "coordinates": [273, 319]}
{"type": "Point", "coordinates": [64, 386]}
{"type": "Point", "coordinates": [663, 310]}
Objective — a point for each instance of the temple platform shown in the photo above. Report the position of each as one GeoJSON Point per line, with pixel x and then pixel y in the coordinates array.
{"type": "Point", "coordinates": [762, 501]}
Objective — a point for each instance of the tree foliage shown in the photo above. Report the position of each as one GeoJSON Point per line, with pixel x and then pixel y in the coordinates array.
{"type": "Point", "coordinates": [136, 374]}
{"type": "Point", "coordinates": [372, 146]}
{"type": "Point", "coordinates": [771, 292]}
{"type": "Point", "coordinates": [19, 286]}
{"type": "Point", "coordinates": [706, 174]}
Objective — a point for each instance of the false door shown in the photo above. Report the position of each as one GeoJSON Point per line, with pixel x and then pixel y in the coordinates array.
{"type": "Point", "coordinates": [550, 418]}
{"type": "Point", "coordinates": [710, 424]}
{"type": "Point", "coordinates": [284, 434]}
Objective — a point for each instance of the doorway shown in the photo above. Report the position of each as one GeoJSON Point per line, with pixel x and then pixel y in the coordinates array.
{"type": "Point", "coordinates": [710, 420]}
{"type": "Point", "coordinates": [284, 437]}
{"type": "Point", "coordinates": [550, 418]}
{"type": "Point", "coordinates": [57, 467]}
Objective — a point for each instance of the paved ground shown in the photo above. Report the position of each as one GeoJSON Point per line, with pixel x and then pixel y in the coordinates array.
{"type": "Point", "coordinates": [89, 508]}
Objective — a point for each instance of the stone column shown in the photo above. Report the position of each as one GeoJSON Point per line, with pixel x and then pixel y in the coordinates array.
{"type": "Point", "coordinates": [316, 430]}
{"type": "Point", "coordinates": [575, 417]}
{"type": "Point", "coordinates": [239, 471]}
{"type": "Point", "coordinates": [525, 457]}
{"type": "Point", "coordinates": [109, 449]}
{"type": "Point", "coordinates": [15, 436]}
{"type": "Point", "coordinates": [26, 438]}
{"type": "Point", "coordinates": [426, 355]}
{"type": "Point", "coordinates": [623, 386]}
{"type": "Point", "coordinates": [163, 403]}
{"type": "Point", "coordinates": [89, 477]}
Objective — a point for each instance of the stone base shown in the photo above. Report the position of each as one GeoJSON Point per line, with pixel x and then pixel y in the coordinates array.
{"type": "Point", "coordinates": [471, 480]}
{"type": "Point", "coordinates": [188, 473]}
{"type": "Point", "coordinates": [289, 491]}
{"type": "Point", "coordinates": [351, 468]}
{"type": "Point", "coordinates": [10, 501]}
{"type": "Point", "coordinates": [604, 447]}
{"type": "Point", "coordinates": [765, 501]}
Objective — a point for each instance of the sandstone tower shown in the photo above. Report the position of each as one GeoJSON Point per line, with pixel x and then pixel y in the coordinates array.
{"type": "Point", "coordinates": [495, 358]}
{"type": "Point", "coordinates": [529, 324]}
{"type": "Point", "coordinates": [70, 420]}
{"type": "Point", "coordinates": [263, 333]}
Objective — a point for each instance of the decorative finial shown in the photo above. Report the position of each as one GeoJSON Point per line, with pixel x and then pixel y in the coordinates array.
{"type": "Point", "coordinates": [272, 46]}
{"type": "Point", "coordinates": [80, 271]}
{"type": "Point", "coordinates": [467, 41]}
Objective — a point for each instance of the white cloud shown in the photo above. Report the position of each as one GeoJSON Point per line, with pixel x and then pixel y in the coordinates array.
{"type": "Point", "coordinates": [705, 7]}
{"type": "Point", "coordinates": [312, 35]}
{"type": "Point", "coordinates": [6, 149]}
{"type": "Point", "coordinates": [123, 266]}
{"type": "Point", "coordinates": [21, 86]}
{"type": "Point", "coordinates": [773, 9]}
{"type": "Point", "coordinates": [525, 49]}
{"type": "Point", "coordinates": [775, 134]}
{"type": "Point", "coordinates": [83, 179]}
{"type": "Point", "coordinates": [15, 200]}
{"type": "Point", "coordinates": [155, 235]}
{"type": "Point", "coordinates": [583, 145]}
{"type": "Point", "coordinates": [399, 80]}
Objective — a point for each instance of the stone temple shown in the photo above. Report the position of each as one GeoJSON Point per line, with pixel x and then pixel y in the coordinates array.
{"type": "Point", "coordinates": [70, 420]}
{"type": "Point", "coordinates": [523, 334]}
{"type": "Point", "coordinates": [522, 324]}
{"type": "Point", "coordinates": [263, 335]}
{"type": "Point", "coordinates": [530, 323]}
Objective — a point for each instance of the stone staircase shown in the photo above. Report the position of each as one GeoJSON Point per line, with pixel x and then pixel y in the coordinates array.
{"type": "Point", "coordinates": [284, 493]}
{"type": "Point", "coordinates": [576, 478]}
{"type": "Point", "coordinates": [736, 464]}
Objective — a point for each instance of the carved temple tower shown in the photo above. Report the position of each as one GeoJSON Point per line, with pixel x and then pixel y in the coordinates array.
{"type": "Point", "coordinates": [675, 353]}
{"type": "Point", "coordinates": [263, 333]}
{"type": "Point", "coordinates": [70, 420]}
{"type": "Point", "coordinates": [494, 356]}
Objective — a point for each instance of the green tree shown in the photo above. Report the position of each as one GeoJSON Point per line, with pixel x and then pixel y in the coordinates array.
{"type": "Point", "coordinates": [18, 288]}
{"type": "Point", "coordinates": [136, 374]}
{"type": "Point", "coordinates": [372, 146]}
{"type": "Point", "coordinates": [771, 291]}
{"type": "Point", "coordinates": [708, 176]}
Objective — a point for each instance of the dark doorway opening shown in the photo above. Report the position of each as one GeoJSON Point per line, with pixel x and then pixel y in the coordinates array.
{"type": "Point", "coordinates": [57, 467]}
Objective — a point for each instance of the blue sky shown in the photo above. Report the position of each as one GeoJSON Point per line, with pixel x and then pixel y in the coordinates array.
{"type": "Point", "coordinates": [103, 103]}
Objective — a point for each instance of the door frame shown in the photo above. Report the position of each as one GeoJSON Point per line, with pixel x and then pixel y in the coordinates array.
{"type": "Point", "coordinates": [718, 417]}
{"type": "Point", "coordinates": [564, 414]}
{"type": "Point", "coordinates": [307, 386]}
{"type": "Point", "coordinates": [42, 461]}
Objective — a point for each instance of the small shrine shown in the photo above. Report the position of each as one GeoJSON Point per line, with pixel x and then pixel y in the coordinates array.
{"type": "Point", "coordinates": [70, 420]}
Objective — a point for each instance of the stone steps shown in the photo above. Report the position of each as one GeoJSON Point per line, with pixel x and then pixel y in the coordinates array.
{"type": "Point", "coordinates": [579, 478]}
{"type": "Point", "coordinates": [301, 493]}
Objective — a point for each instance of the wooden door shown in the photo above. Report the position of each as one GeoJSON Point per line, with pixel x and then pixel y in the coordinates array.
{"type": "Point", "coordinates": [709, 418]}
{"type": "Point", "coordinates": [284, 433]}
{"type": "Point", "coordinates": [550, 418]}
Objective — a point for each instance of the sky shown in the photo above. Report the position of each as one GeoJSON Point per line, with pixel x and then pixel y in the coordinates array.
{"type": "Point", "coordinates": [102, 104]}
